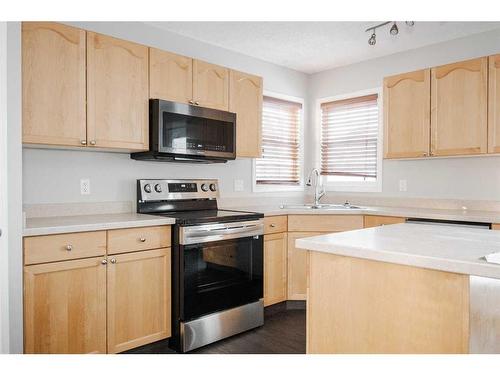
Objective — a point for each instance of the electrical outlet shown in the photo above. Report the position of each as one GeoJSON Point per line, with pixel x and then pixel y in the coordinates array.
{"type": "Point", "coordinates": [239, 185]}
{"type": "Point", "coordinates": [403, 186]}
{"type": "Point", "coordinates": [85, 186]}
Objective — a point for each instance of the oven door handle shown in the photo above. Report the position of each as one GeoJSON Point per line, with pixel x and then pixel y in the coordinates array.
{"type": "Point", "coordinates": [202, 234]}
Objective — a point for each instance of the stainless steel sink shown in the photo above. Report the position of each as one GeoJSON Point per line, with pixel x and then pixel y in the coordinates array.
{"type": "Point", "coordinates": [320, 207]}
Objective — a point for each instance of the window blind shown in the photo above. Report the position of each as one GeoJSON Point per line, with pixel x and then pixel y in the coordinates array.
{"type": "Point", "coordinates": [280, 164]}
{"type": "Point", "coordinates": [349, 131]}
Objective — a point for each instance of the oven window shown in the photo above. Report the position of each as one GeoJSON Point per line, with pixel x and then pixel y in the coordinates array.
{"type": "Point", "coordinates": [221, 275]}
{"type": "Point", "coordinates": [188, 133]}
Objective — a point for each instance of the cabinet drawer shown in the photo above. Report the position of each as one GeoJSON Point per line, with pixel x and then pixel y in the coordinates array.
{"type": "Point", "coordinates": [275, 224]}
{"type": "Point", "coordinates": [43, 249]}
{"type": "Point", "coordinates": [324, 223]}
{"type": "Point", "coordinates": [376, 221]}
{"type": "Point", "coordinates": [136, 239]}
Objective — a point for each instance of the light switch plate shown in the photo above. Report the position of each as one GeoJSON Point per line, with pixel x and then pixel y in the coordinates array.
{"type": "Point", "coordinates": [239, 185]}
{"type": "Point", "coordinates": [403, 185]}
{"type": "Point", "coordinates": [85, 186]}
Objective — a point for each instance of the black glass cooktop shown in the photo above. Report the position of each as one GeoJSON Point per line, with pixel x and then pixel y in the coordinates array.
{"type": "Point", "coordinates": [209, 216]}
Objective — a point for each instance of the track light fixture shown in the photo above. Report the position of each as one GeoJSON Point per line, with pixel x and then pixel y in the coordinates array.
{"type": "Point", "coordinates": [394, 30]}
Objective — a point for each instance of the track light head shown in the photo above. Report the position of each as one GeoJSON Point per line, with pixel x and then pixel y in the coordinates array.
{"type": "Point", "coordinates": [373, 39]}
{"type": "Point", "coordinates": [394, 29]}
{"type": "Point", "coordinates": [410, 23]}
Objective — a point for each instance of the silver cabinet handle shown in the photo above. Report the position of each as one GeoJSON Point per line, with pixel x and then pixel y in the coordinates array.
{"type": "Point", "coordinates": [273, 225]}
{"type": "Point", "coordinates": [83, 142]}
{"type": "Point", "coordinates": [425, 154]}
{"type": "Point", "coordinates": [113, 260]}
{"type": "Point", "coordinates": [69, 247]}
{"type": "Point", "coordinates": [142, 239]}
{"type": "Point", "coordinates": [104, 262]}
{"type": "Point", "coordinates": [197, 103]}
{"type": "Point", "coordinates": [191, 102]}
{"type": "Point", "coordinates": [92, 143]}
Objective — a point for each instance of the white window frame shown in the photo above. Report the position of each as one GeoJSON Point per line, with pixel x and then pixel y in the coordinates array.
{"type": "Point", "coordinates": [352, 186]}
{"type": "Point", "coordinates": [276, 188]}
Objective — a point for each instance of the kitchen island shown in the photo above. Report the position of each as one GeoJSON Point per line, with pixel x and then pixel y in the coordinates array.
{"type": "Point", "coordinates": [404, 288]}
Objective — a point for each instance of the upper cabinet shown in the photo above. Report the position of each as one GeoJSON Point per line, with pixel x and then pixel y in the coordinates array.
{"type": "Point", "coordinates": [53, 91]}
{"type": "Point", "coordinates": [459, 108]}
{"type": "Point", "coordinates": [407, 115]}
{"type": "Point", "coordinates": [245, 99]}
{"type": "Point", "coordinates": [117, 93]}
{"type": "Point", "coordinates": [171, 76]}
{"type": "Point", "coordinates": [494, 105]}
{"type": "Point", "coordinates": [210, 85]}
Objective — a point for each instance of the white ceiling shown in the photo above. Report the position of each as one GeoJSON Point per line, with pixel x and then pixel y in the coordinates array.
{"type": "Point", "coordinates": [316, 46]}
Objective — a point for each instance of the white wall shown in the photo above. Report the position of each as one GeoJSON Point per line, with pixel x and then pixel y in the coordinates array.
{"type": "Point", "coordinates": [14, 187]}
{"type": "Point", "coordinates": [4, 267]}
{"type": "Point", "coordinates": [453, 178]}
{"type": "Point", "coordinates": [53, 176]}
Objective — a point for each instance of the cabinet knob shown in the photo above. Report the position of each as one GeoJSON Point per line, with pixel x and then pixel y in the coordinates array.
{"type": "Point", "coordinates": [142, 239]}
{"type": "Point", "coordinates": [425, 154]}
{"type": "Point", "coordinates": [191, 102]}
{"type": "Point", "coordinates": [432, 153]}
{"type": "Point", "coordinates": [69, 247]}
{"type": "Point", "coordinates": [92, 143]}
{"type": "Point", "coordinates": [104, 262]}
{"type": "Point", "coordinates": [272, 225]}
{"type": "Point", "coordinates": [83, 142]}
{"type": "Point", "coordinates": [113, 260]}
{"type": "Point", "coordinates": [197, 103]}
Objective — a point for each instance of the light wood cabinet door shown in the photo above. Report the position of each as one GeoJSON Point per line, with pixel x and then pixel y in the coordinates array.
{"type": "Point", "coordinates": [210, 85]}
{"type": "Point", "coordinates": [407, 114]}
{"type": "Point", "coordinates": [297, 266]}
{"type": "Point", "coordinates": [275, 268]}
{"type": "Point", "coordinates": [494, 105]}
{"type": "Point", "coordinates": [245, 99]}
{"type": "Point", "coordinates": [138, 299]}
{"type": "Point", "coordinates": [65, 307]}
{"type": "Point", "coordinates": [53, 87]}
{"type": "Point", "coordinates": [377, 221]}
{"type": "Point", "coordinates": [117, 93]}
{"type": "Point", "coordinates": [170, 76]}
{"type": "Point", "coordinates": [459, 108]}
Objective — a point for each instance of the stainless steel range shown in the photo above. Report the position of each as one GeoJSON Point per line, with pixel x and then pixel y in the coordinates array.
{"type": "Point", "coordinates": [217, 261]}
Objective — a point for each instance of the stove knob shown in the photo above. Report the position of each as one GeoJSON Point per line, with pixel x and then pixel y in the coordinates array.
{"type": "Point", "coordinates": [147, 188]}
{"type": "Point", "coordinates": [158, 188]}
{"type": "Point", "coordinates": [213, 187]}
{"type": "Point", "coordinates": [204, 187]}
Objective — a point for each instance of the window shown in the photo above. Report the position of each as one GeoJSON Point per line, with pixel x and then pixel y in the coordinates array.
{"type": "Point", "coordinates": [350, 143]}
{"type": "Point", "coordinates": [280, 166]}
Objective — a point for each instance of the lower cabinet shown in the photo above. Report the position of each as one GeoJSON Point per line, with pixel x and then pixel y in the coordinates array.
{"type": "Point", "coordinates": [297, 266]}
{"type": "Point", "coordinates": [100, 304]}
{"type": "Point", "coordinates": [377, 221]}
{"type": "Point", "coordinates": [275, 268]}
{"type": "Point", "coordinates": [65, 307]}
{"type": "Point", "coordinates": [138, 299]}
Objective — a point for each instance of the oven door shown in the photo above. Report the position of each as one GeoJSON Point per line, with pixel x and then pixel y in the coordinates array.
{"type": "Point", "coordinates": [221, 267]}
{"type": "Point", "coordinates": [197, 131]}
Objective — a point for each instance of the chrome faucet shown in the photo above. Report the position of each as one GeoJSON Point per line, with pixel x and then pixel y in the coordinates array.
{"type": "Point", "coordinates": [319, 190]}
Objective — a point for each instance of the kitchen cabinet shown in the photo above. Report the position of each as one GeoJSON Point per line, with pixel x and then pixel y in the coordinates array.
{"type": "Point", "coordinates": [138, 299]}
{"type": "Point", "coordinates": [459, 94]}
{"type": "Point", "coordinates": [53, 84]}
{"type": "Point", "coordinates": [495, 226]}
{"type": "Point", "coordinates": [245, 99]}
{"type": "Point", "coordinates": [297, 266]}
{"type": "Point", "coordinates": [275, 268]}
{"type": "Point", "coordinates": [117, 93]}
{"type": "Point", "coordinates": [275, 224]}
{"type": "Point", "coordinates": [171, 76]}
{"type": "Point", "coordinates": [109, 303]}
{"type": "Point", "coordinates": [494, 105]}
{"type": "Point", "coordinates": [376, 221]}
{"type": "Point", "coordinates": [65, 307]}
{"type": "Point", "coordinates": [324, 223]}
{"type": "Point", "coordinates": [210, 85]}
{"type": "Point", "coordinates": [407, 115]}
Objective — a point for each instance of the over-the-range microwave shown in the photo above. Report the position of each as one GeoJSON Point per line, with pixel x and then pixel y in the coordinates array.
{"type": "Point", "coordinates": [188, 133]}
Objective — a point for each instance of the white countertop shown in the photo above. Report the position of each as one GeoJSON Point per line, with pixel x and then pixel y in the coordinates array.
{"type": "Point", "coordinates": [421, 213]}
{"type": "Point", "coordinates": [439, 247]}
{"type": "Point", "coordinates": [84, 223]}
